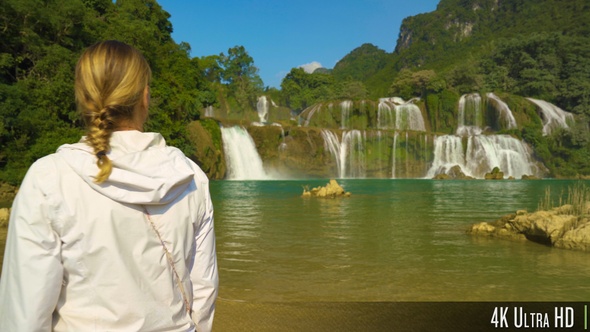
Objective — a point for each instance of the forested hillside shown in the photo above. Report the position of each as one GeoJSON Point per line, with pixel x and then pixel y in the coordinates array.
{"type": "Point", "coordinates": [40, 42]}
{"type": "Point", "coordinates": [537, 49]}
{"type": "Point", "coordinates": [515, 48]}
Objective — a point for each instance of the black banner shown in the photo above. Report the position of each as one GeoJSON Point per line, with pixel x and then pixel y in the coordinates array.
{"type": "Point", "coordinates": [403, 316]}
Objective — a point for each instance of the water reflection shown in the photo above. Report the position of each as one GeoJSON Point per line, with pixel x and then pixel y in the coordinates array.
{"type": "Point", "coordinates": [393, 240]}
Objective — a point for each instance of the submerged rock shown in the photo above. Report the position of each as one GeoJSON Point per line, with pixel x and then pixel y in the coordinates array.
{"type": "Point", "coordinates": [454, 173]}
{"type": "Point", "coordinates": [558, 228]}
{"type": "Point", "coordinates": [495, 174]}
{"type": "Point", "coordinates": [529, 177]}
{"type": "Point", "coordinates": [331, 190]}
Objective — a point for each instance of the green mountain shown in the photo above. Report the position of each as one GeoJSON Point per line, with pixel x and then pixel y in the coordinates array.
{"type": "Point", "coordinates": [466, 35]}
{"type": "Point", "coordinates": [515, 48]}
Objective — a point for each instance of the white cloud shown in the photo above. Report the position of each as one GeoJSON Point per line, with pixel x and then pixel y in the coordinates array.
{"type": "Point", "coordinates": [310, 67]}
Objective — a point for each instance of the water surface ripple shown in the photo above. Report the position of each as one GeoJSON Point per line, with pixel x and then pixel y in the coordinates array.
{"type": "Point", "coordinates": [393, 240]}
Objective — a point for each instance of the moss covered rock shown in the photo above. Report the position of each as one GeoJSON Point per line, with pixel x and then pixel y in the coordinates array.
{"type": "Point", "coordinates": [205, 135]}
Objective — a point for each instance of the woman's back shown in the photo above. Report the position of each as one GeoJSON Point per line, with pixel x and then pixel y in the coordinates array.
{"type": "Point", "coordinates": [115, 232]}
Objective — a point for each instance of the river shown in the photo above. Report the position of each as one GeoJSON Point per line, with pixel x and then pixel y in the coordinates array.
{"type": "Point", "coordinates": [392, 240]}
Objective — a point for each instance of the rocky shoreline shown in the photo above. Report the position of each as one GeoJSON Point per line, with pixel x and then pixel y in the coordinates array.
{"type": "Point", "coordinates": [559, 227]}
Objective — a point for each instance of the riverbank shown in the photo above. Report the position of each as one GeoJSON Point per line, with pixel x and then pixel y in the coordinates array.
{"type": "Point", "coordinates": [566, 226]}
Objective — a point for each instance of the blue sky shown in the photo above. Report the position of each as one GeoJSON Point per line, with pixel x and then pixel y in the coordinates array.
{"type": "Point", "coordinates": [283, 34]}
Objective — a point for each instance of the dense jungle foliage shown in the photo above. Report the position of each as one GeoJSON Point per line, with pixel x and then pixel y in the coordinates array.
{"type": "Point", "coordinates": [40, 42]}
{"type": "Point", "coordinates": [514, 48]}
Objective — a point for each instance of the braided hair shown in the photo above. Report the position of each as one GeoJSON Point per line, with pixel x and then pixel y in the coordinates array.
{"type": "Point", "coordinates": [111, 78]}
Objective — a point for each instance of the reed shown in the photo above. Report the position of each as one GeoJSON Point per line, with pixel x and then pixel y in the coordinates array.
{"type": "Point", "coordinates": [578, 196]}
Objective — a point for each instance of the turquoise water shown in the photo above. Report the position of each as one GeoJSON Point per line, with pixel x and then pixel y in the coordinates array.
{"type": "Point", "coordinates": [392, 240]}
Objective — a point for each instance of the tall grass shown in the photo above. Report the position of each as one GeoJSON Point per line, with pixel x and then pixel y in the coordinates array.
{"type": "Point", "coordinates": [577, 197]}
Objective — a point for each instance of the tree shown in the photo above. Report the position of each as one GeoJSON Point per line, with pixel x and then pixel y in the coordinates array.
{"type": "Point", "coordinates": [301, 90]}
{"type": "Point", "coordinates": [40, 42]}
{"type": "Point", "coordinates": [241, 76]}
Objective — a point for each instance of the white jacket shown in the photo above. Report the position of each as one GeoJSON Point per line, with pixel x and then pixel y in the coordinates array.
{"type": "Point", "coordinates": [82, 256]}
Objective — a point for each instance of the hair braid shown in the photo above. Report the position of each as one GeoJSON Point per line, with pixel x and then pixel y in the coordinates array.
{"type": "Point", "coordinates": [98, 136]}
{"type": "Point", "coordinates": [110, 79]}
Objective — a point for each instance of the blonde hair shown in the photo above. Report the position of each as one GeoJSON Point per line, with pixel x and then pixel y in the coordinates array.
{"type": "Point", "coordinates": [111, 77]}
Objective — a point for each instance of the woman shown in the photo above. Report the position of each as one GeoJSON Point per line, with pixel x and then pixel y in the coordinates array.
{"type": "Point", "coordinates": [115, 232]}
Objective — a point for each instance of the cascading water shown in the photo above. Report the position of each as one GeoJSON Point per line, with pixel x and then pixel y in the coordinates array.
{"type": "Point", "coordinates": [209, 112]}
{"type": "Point", "coordinates": [506, 118]}
{"type": "Point", "coordinates": [393, 154]}
{"type": "Point", "coordinates": [348, 153]}
{"type": "Point", "coordinates": [448, 152]}
{"type": "Point", "coordinates": [470, 117]}
{"type": "Point", "coordinates": [262, 108]}
{"type": "Point", "coordinates": [398, 125]}
{"type": "Point", "coordinates": [242, 159]}
{"type": "Point", "coordinates": [484, 152]}
{"type": "Point", "coordinates": [283, 144]}
{"type": "Point", "coordinates": [332, 144]}
{"type": "Point", "coordinates": [310, 112]}
{"type": "Point", "coordinates": [345, 107]}
{"type": "Point", "coordinates": [553, 116]}
{"type": "Point", "coordinates": [404, 116]}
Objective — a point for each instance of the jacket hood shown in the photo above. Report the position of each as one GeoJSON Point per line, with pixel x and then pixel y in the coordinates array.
{"type": "Point", "coordinates": [145, 169]}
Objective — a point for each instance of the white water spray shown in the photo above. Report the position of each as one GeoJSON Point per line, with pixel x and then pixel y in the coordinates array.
{"type": "Point", "coordinates": [505, 114]}
{"type": "Point", "coordinates": [399, 116]}
{"type": "Point", "coordinates": [348, 153]}
{"type": "Point", "coordinates": [553, 116]}
{"type": "Point", "coordinates": [262, 108]}
{"type": "Point", "coordinates": [470, 117]}
{"type": "Point", "coordinates": [242, 159]}
{"type": "Point", "coordinates": [345, 107]}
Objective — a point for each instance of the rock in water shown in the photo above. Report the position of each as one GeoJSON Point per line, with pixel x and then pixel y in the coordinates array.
{"type": "Point", "coordinates": [495, 174]}
{"type": "Point", "coordinates": [558, 228]}
{"type": "Point", "coordinates": [331, 190]}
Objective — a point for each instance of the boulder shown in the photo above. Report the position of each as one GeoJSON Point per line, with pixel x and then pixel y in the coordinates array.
{"type": "Point", "coordinates": [454, 173]}
{"type": "Point", "coordinates": [529, 177]}
{"type": "Point", "coordinates": [331, 190]}
{"type": "Point", "coordinates": [495, 174]}
{"type": "Point", "coordinates": [559, 227]}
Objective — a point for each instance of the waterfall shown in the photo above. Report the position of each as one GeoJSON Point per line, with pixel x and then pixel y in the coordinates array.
{"type": "Point", "coordinates": [409, 117]}
{"type": "Point", "coordinates": [448, 152]}
{"type": "Point", "coordinates": [553, 117]}
{"type": "Point", "coordinates": [348, 153]}
{"type": "Point", "coordinates": [262, 108]}
{"type": "Point", "coordinates": [283, 144]}
{"type": "Point", "coordinates": [345, 107]}
{"type": "Point", "coordinates": [209, 111]}
{"type": "Point", "coordinates": [505, 117]}
{"type": "Point", "coordinates": [385, 118]}
{"type": "Point", "coordinates": [309, 112]}
{"type": "Point", "coordinates": [393, 153]}
{"type": "Point", "coordinates": [353, 146]}
{"type": "Point", "coordinates": [483, 153]}
{"type": "Point", "coordinates": [470, 117]}
{"type": "Point", "coordinates": [332, 144]}
{"type": "Point", "coordinates": [404, 116]}
{"type": "Point", "coordinates": [425, 153]}
{"type": "Point", "coordinates": [503, 151]}
{"type": "Point", "coordinates": [243, 161]}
